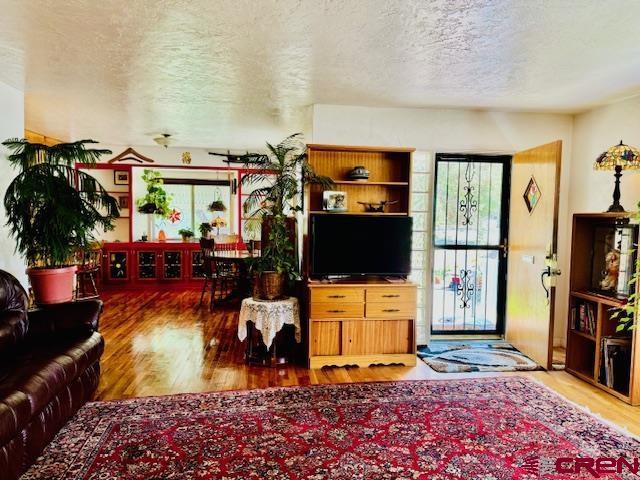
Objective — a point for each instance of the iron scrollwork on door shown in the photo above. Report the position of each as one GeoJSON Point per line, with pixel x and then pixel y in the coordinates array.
{"type": "Point", "coordinates": [466, 288]}
{"type": "Point", "coordinates": [468, 204]}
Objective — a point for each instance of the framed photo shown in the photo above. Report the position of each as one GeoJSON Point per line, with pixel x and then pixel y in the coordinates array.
{"type": "Point", "coordinates": [121, 177]}
{"type": "Point", "coordinates": [123, 201]}
{"type": "Point", "coordinates": [334, 201]}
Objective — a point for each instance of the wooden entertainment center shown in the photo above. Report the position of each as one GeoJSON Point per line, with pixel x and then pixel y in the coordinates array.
{"type": "Point", "coordinates": [369, 321]}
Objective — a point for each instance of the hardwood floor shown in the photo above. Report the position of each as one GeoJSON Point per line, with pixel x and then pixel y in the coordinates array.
{"type": "Point", "coordinates": [160, 343]}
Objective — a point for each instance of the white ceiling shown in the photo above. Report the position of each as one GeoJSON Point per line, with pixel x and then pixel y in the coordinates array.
{"type": "Point", "coordinates": [212, 71]}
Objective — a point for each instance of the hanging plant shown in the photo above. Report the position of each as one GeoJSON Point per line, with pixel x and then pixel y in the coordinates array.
{"type": "Point", "coordinates": [217, 205]}
{"type": "Point", "coordinates": [156, 200]}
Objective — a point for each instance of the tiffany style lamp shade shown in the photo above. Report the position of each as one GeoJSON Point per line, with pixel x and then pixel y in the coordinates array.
{"type": "Point", "coordinates": [617, 158]}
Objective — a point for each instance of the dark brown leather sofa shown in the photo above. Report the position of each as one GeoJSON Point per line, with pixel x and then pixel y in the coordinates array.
{"type": "Point", "coordinates": [49, 368]}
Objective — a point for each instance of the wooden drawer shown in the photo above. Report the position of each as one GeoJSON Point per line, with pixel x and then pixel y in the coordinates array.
{"type": "Point", "coordinates": [337, 310]}
{"type": "Point", "coordinates": [391, 310]}
{"type": "Point", "coordinates": [390, 294]}
{"type": "Point", "coordinates": [337, 295]}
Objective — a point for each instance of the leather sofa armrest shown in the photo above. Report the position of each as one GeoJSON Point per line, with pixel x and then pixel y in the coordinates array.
{"type": "Point", "coordinates": [73, 317]}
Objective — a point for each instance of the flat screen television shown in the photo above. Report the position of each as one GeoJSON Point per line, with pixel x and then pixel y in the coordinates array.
{"type": "Point", "coordinates": [342, 245]}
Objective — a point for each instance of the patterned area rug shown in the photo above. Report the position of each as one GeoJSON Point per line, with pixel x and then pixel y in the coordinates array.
{"type": "Point", "coordinates": [475, 356]}
{"type": "Point", "coordinates": [490, 428]}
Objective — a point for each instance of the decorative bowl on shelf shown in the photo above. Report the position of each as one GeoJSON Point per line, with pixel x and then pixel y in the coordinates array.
{"type": "Point", "coordinates": [359, 174]}
{"type": "Point", "coordinates": [377, 207]}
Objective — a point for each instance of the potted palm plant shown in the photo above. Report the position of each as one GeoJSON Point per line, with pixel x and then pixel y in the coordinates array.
{"type": "Point", "coordinates": [283, 171]}
{"type": "Point", "coordinates": [53, 210]}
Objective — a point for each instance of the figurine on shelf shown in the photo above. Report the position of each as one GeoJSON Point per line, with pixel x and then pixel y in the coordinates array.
{"type": "Point", "coordinates": [612, 262]}
{"type": "Point", "coordinates": [377, 207]}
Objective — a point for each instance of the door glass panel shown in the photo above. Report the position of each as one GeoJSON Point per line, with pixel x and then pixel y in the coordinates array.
{"type": "Point", "coordinates": [468, 228]}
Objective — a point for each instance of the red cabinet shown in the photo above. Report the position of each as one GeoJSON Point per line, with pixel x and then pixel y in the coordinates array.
{"type": "Point", "coordinates": [152, 264]}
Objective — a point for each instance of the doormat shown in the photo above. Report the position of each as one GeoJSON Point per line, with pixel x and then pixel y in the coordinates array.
{"type": "Point", "coordinates": [475, 356]}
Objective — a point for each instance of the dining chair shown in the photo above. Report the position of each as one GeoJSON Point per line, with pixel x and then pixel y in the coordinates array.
{"type": "Point", "coordinates": [87, 271]}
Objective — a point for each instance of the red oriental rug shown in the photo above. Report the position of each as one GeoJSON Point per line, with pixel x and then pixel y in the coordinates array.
{"type": "Point", "coordinates": [490, 428]}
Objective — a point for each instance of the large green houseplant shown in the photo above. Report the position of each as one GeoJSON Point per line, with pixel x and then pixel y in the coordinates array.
{"type": "Point", "coordinates": [282, 172]}
{"type": "Point", "coordinates": [53, 210]}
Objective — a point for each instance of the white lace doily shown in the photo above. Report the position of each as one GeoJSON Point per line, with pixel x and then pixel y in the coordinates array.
{"type": "Point", "coordinates": [269, 318]}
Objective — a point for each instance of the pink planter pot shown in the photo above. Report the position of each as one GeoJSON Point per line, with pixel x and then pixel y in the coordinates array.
{"type": "Point", "coordinates": [52, 285]}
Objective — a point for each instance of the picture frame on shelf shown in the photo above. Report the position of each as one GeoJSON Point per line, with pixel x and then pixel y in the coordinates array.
{"type": "Point", "coordinates": [334, 201]}
{"type": "Point", "coordinates": [121, 177]}
{"type": "Point", "coordinates": [123, 201]}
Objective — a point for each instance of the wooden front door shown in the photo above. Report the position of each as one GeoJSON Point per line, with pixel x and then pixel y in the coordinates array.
{"type": "Point", "coordinates": [533, 227]}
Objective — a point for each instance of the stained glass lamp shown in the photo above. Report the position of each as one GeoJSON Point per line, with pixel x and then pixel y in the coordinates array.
{"type": "Point", "coordinates": [617, 158]}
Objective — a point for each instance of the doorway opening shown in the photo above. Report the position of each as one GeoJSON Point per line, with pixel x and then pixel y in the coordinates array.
{"type": "Point", "coordinates": [470, 238]}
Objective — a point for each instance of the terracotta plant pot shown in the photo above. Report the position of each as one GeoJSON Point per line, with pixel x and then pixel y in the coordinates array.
{"type": "Point", "coordinates": [52, 285]}
{"type": "Point", "coordinates": [272, 285]}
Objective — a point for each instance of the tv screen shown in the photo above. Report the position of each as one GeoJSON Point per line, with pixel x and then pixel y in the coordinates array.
{"type": "Point", "coordinates": [360, 245]}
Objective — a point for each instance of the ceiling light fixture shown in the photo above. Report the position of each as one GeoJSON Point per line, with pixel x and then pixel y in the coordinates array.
{"type": "Point", "coordinates": [164, 139]}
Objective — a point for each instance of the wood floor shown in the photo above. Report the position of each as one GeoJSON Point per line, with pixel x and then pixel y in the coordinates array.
{"type": "Point", "coordinates": [160, 343]}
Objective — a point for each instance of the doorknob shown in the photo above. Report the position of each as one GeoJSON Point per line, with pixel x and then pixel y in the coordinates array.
{"type": "Point", "coordinates": [552, 271]}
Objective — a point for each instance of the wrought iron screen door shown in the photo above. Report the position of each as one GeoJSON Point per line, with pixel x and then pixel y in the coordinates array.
{"type": "Point", "coordinates": [470, 228]}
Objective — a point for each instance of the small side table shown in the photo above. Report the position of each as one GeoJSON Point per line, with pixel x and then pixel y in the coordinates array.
{"type": "Point", "coordinates": [268, 317]}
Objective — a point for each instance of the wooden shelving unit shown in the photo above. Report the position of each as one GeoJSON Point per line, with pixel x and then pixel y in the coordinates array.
{"type": "Point", "coordinates": [584, 351]}
{"type": "Point", "coordinates": [369, 321]}
{"type": "Point", "coordinates": [390, 178]}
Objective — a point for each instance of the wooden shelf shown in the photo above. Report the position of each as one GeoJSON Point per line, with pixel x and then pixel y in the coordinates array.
{"type": "Point", "coordinates": [583, 334]}
{"type": "Point", "coordinates": [594, 297]}
{"type": "Point", "coordinates": [364, 184]}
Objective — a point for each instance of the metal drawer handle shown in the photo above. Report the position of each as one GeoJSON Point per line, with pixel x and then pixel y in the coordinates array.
{"type": "Point", "coordinates": [390, 296]}
{"type": "Point", "coordinates": [336, 311]}
{"type": "Point", "coordinates": [391, 310]}
{"type": "Point", "coordinates": [336, 296]}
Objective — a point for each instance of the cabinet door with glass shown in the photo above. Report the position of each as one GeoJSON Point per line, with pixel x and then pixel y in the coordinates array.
{"type": "Point", "coordinates": [116, 266]}
{"type": "Point", "coordinates": [147, 262]}
{"type": "Point", "coordinates": [172, 264]}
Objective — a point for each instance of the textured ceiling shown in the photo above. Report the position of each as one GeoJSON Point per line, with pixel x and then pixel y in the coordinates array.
{"type": "Point", "coordinates": [213, 72]}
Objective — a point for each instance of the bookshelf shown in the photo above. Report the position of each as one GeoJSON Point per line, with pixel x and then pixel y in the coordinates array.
{"type": "Point", "coordinates": [591, 323]}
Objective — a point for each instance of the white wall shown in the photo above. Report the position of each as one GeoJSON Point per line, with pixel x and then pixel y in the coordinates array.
{"type": "Point", "coordinates": [594, 132]}
{"type": "Point", "coordinates": [11, 126]}
{"type": "Point", "coordinates": [452, 130]}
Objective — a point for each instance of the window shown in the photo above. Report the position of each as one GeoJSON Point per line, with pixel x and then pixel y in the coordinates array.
{"type": "Point", "coordinates": [190, 207]}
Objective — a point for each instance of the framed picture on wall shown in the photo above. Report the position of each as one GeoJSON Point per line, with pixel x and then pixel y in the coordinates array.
{"type": "Point", "coordinates": [123, 201]}
{"type": "Point", "coordinates": [121, 177]}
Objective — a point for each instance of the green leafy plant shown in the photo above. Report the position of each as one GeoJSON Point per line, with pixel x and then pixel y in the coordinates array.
{"type": "Point", "coordinates": [284, 171]}
{"type": "Point", "coordinates": [52, 208]}
{"type": "Point", "coordinates": [626, 315]}
{"type": "Point", "coordinates": [185, 233]}
{"type": "Point", "coordinates": [156, 200]}
{"type": "Point", "coordinates": [205, 229]}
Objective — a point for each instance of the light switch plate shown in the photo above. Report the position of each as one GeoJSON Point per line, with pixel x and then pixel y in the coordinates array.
{"type": "Point", "coordinates": [529, 259]}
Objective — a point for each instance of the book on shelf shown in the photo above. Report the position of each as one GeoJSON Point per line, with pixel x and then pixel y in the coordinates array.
{"type": "Point", "coordinates": [584, 318]}
{"type": "Point", "coordinates": [615, 362]}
